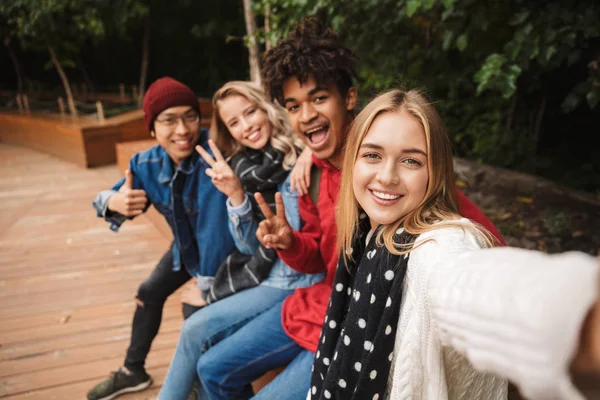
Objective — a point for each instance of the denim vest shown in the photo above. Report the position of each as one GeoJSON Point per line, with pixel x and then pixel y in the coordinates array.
{"type": "Point", "coordinates": [201, 211]}
{"type": "Point", "coordinates": [242, 226]}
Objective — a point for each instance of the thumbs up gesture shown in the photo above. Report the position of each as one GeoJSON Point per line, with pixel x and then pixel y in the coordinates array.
{"type": "Point", "coordinates": [128, 201]}
{"type": "Point", "coordinates": [275, 231]}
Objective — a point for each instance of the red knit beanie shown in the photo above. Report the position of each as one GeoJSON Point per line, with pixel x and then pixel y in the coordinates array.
{"type": "Point", "coordinates": [165, 93]}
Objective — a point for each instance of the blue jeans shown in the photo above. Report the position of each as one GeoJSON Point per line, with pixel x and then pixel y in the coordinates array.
{"type": "Point", "coordinates": [209, 326]}
{"type": "Point", "coordinates": [228, 368]}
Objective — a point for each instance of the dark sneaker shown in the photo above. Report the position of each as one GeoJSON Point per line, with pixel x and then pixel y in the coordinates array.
{"type": "Point", "coordinates": [118, 384]}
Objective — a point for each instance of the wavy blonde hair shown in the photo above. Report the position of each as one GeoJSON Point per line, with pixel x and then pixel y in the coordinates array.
{"type": "Point", "coordinates": [440, 203]}
{"type": "Point", "coordinates": [282, 135]}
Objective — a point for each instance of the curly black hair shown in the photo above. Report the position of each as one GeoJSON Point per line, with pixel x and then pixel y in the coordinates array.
{"type": "Point", "coordinates": [311, 49]}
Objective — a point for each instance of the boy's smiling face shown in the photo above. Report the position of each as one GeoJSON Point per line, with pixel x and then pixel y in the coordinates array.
{"type": "Point", "coordinates": [177, 130]}
{"type": "Point", "coordinates": [320, 115]}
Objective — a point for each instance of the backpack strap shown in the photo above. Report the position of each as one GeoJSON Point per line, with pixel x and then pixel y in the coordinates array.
{"type": "Point", "coordinates": [315, 180]}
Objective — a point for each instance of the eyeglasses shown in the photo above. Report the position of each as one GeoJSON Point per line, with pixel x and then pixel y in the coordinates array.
{"type": "Point", "coordinates": [172, 121]}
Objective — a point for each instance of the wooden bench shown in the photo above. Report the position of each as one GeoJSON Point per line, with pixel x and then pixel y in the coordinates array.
{"type": "Point", "coordinates": [82, 141]}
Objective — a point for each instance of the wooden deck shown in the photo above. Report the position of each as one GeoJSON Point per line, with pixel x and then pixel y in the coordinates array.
{"type": "Point", "coordinates": [67, 283]}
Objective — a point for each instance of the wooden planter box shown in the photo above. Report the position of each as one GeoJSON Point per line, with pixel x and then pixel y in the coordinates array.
{"type": "Point", "coordinates": [83, 142]}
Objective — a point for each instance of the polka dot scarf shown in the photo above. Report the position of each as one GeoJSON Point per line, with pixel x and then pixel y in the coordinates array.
{"type": "Point", "coordinates": [354, 355]}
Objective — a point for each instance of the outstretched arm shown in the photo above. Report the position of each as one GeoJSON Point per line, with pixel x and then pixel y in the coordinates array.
{"type": "Point", "coordinates": [529, 316]}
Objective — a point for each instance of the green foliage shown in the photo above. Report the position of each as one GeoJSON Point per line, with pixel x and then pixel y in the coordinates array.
{"type": "Point", "coordinates": [495, 74]}
{"type": "Point", "coordinates": [510, 78]}
{"type": "Point", "coordinates": [541, 42]}
{"type": "Point", "coordinates": [66, 25]}
{"type": "Point", "coordinates": [588, 89]}
{"type": "Point", "coordinates": [47, 22]}
{"type": "Point", "coordinates": [120, 16]}
{"type": "Point", "coordinates": [198, 42]}
{"type": "Point", "coordinates": [476, 58]}
{"type": "Point", "coordinates": [283, 13]}
{"type": "Point", "coordinates": [502, 41]}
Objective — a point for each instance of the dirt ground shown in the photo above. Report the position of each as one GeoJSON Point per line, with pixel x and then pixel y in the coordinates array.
{"type": "Point", "coordinates": [532, 212]}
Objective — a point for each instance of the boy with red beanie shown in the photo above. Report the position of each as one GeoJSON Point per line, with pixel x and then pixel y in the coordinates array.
{"type": "Point", "coordinates": [172, 177]}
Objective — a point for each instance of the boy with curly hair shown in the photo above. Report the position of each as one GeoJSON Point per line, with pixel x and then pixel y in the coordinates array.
{"type": "Point", "coordinates": [310, 74]}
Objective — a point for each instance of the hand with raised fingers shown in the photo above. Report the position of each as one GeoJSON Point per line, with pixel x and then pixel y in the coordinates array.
{"type": "Point", "coordinates": [274, 232]}
{"type": "Point", "coordinates": [222, 174]}
{"type": "Point", "coordinates": [128, 201]}
{"type": "Point", "coordinates": [300, 175]}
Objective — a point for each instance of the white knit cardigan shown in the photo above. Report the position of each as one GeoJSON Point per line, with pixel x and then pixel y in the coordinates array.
{"type": "Point", "coordinates": [471, 318]}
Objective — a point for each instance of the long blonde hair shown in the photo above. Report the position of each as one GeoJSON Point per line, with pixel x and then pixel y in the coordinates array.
{"type": "Point", "coordinates": [282, 135]}
{"type": "Point", "coordinates": [440, 203]}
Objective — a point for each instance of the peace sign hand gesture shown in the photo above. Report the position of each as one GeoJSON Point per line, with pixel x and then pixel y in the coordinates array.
{"type": "Point", "coordinates": [275, 231]}
{"type": "Point", "coordinates": [222, 175]}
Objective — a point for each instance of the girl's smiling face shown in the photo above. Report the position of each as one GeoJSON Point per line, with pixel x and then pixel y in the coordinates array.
{"type": "Point", "coordinates": [247, 123]}
{"type": "Point", "coordinates": [390, 174]}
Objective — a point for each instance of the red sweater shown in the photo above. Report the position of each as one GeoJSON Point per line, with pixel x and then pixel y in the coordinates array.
{"type": "Point", "coordinates": [314, 251]}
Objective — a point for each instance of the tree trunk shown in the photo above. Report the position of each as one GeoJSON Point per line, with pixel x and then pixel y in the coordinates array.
{"type": "Point", "coordinates": [508, 128]}
{"type": "Point", "coordinates": [84, 73]}
{"type": "Point", "coordinates": [253, 50]}
{"type": "Point", "coordinates": [538, 122]}
{"type": "Point", "coordinates": [268, 43]}
{"type": "Point", "coordinates": [65, 82]}
{"type": "Point", "coordinates": [144, 67]}
{"type": "Point", "coordinates": [15, 62]}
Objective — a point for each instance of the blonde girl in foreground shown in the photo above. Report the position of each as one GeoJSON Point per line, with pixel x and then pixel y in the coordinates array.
{"type": "Point", "coordinates": [407, 319]}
